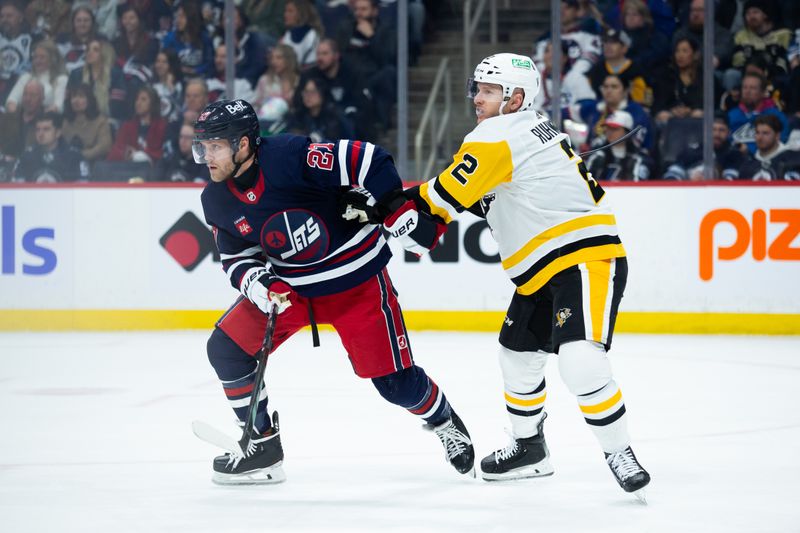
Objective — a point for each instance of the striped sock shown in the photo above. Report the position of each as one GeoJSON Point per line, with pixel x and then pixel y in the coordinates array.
{"type": "Point", "coordinates": [239, 392]}
{"type": "Point", "coordinates": [433, 408]}
{"type": "Point", "coordinates": [525, 409]}
{"type": "Point", "coordinates": [604, 411]}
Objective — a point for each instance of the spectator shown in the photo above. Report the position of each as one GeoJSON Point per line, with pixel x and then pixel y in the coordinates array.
{"type": "Point", "coordinates": [135, 47]}
{"type": "Point", "coordinates": [728, 160]}
{"type": "Point", "coordinates": [180, 166]}
{"type": "Point", "coordinates": [576, 99]}
{"type": "Point", "coordinates": [372, 47]}
{"type": "Point", "coordinates": [48, 18]}
{"type": "Point", "coordinates": [615, 48]}
{"type": "Point", "coordinates": [678, 91]}
{"type": "Point", "coordinates": [48, 68]}
{"type": "Point", "coordinates": [663, 20]}
{"type": "Point", "coordinates": [615, 98]}
{"type": "Point", "coordinates": [250, 52]}
{"type": "Point", "coordinates": [190, 41]}
{"type": "Point", "coordinates": [85, 128]}
{"type": "Point", "coordinates": [649, 47]}
{"type": "Point", "coordinates": [105, 15]}
{"type": "Point", "coordinates": [195, 99]}
{"type": "Point", "coordinates": [277, 83]}
{"type": "Point", "coordinates": [760, 36]}
{"type": "Point", "coordinates": [266, 16]}
{"type": "Point", "coordinates": [315, 116]}
{"type": "Point", "coordinates": [156, 15]}
{"type": "Point", "coordinates": [625, 161]}
{"type": "Point", "coordinates": [217, 85]}
{"type": "Point", "coordinates": [303, 30]}
{"type": "Point", "coordinates": [346, 87]}
{"type": "Point", "coordinates": [772, 160]}
{"type": "Point", "coordinates": [15, 46]}
{"type": "Point", "coordinates": [50, 159]}
{"type": "Point", "coordinates": [105, 79]}
{"type": "Point", "coordinates": [72, 45]}
{"type": "Point", "coordinates": [723, 41]}
{"type": "Point", "coordinates": [142, 137]}
{"type": "Point", "coordinates": [168, 83]}
{"type": "Point", "coordinates": [754, 102]}
{"type": "Point", "coordinates": [17, 128]}
{"type": "Point", "coordinates": [580, 33]}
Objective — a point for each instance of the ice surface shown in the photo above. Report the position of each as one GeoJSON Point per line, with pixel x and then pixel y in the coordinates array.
{"type": "Point", "coordinates": [96, 437]}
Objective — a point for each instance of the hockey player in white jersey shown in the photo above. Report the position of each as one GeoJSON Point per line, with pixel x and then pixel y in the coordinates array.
{"type": "Point", "coordinates": [558, 243]}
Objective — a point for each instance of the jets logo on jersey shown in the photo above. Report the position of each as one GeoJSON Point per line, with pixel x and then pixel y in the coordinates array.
{"type": "Point", "coordinates": [296, 235]}
{"type": "Point", "coordinates": [562, 315]}
{"type": "Point", "coordinates": [243, 226]}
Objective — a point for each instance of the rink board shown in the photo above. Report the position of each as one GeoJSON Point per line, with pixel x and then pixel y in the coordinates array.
{"type": "Point", "coordinates": [703, 259]}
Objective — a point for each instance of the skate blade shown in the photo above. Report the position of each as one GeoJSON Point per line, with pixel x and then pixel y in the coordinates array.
{"type": "Point", "coordinates": [264, 476]}
{"type": "Point", "coordinates": [641, 495]}
{"type": "Point", "coordinates": [541, 469]}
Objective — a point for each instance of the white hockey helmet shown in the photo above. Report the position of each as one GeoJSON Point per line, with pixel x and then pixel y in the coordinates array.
{"type": "Point", "coordinates": [510, 71]}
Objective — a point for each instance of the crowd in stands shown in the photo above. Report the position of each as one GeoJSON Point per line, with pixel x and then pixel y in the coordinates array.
{"type": "Point", "coordinates": [108, 90]}
{"type": "Point", "coordinates": [629, 64]}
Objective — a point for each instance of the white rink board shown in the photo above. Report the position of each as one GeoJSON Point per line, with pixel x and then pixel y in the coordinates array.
{"type": "Point", "coordinates": [105, 243]}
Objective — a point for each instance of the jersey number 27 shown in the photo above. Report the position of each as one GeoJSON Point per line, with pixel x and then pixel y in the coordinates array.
{"type": "Point", "coordinates": [595, 189]}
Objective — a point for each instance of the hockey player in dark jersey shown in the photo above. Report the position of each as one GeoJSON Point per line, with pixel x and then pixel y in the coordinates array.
{"type": "Point", "coordinates": [273, 205]}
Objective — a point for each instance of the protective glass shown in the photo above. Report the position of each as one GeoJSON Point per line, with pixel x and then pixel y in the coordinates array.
{"type": "Point", "coordinates": [213, 150]}
{"type": "Point", "coordinates": [490, 92]}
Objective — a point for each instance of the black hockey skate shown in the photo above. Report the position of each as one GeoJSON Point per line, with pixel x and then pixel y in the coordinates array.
{"type": "Point", "coordinates": [457, 444]}
{"type": "Point", "coordinates": [261, 466]}
{"type": "Point", "coordinates": [522, 458]}
{"type": "Point", "coordinates": [628, 472]}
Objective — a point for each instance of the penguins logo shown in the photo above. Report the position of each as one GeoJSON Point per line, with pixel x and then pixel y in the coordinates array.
{"type": "Point", "coordinates": [562, 315]}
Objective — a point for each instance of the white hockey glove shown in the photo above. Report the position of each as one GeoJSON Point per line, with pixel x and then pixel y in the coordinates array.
{"type": "Point", "coordinates": [264, 289]}
{"type": "Point", "coordinates": [417, 232]}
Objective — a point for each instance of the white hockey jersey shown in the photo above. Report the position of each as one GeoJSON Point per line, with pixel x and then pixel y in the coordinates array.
{"type": "Point", "coordinates": [547, 212]}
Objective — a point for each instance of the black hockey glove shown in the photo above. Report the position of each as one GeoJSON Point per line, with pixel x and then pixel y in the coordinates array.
{"type": "Point", "coordinates": [358, 204]}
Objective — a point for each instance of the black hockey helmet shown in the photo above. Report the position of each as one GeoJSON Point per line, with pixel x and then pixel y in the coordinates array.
{"type": "Point", "coordinates": [225, 119]}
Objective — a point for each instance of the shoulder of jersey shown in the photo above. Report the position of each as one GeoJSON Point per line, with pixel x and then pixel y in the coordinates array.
{"type": "Point", "coordinates": [502, 127]}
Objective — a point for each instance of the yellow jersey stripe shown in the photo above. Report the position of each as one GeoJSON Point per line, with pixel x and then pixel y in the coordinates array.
{"type": "Point", "coordinates": [525, 403]}
{"type": "Point", "coordinates": [434, 207]}
{"type": "Point", "coordinates": [599, 272]}
{"type": "Point", "coordinates": [602, 406]}
{"type": "Point", "coordinates": [557, 231]}
{"type": "Point", "coordinates": [595, 253]}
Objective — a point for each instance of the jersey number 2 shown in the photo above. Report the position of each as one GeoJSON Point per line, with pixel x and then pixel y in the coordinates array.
{"type": "Point", "coordinates": [467, 167]}
{"type": "Point", "coordinates": [594, 188]}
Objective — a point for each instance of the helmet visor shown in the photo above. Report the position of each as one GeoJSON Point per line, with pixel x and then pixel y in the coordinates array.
{"type": "Point", "coordinates": [205, 152]}
{"type": "Point", "coordinates": [489, 92]}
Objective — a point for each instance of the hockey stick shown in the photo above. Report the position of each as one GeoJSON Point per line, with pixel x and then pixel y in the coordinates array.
{"type": "Point", "coordinates": [210, 434]}
{"type": "Point", "coordinates": [609, 145]}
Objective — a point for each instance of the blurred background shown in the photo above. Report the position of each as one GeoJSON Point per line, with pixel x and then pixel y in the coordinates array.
{"type": "Point", "coordinates": [117, 83]}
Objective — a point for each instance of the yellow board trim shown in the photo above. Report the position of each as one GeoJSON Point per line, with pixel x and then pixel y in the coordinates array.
{"type": "Point", "coordinates": [557, 231]}
{"type": "Point", "coordinates": [525, 403]}
{"type": "Point", "coordinates": [489, 321]}
{"type": "Point", "coordinates": [602, 406]}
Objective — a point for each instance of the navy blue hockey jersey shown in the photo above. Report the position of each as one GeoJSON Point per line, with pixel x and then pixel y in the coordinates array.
{"type": "Point", "coordinates": [290, 217]}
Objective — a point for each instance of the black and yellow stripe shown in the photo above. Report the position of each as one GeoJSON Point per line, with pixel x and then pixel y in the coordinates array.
{"type": "Point", "coordinates": [607, 410]}
{"type": "Point", "coordinates": [571, 254]}
{"type": "Point", "coordinates": [526, 404]}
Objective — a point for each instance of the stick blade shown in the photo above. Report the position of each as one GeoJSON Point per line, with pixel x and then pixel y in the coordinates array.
{"type": "Point", "coordinates": [212, 435]}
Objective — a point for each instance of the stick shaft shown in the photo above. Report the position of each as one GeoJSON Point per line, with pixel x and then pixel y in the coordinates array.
{"type": "Point", "coordinates": [263, 355]}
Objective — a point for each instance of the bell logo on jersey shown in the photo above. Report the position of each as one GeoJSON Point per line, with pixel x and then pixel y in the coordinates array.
{"type": "Point", "coordinates": [296, 236]}
{"type": "Point", "coordinates": [562, 315]}
{"type": "Point", "coordinates": [243, 226]}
